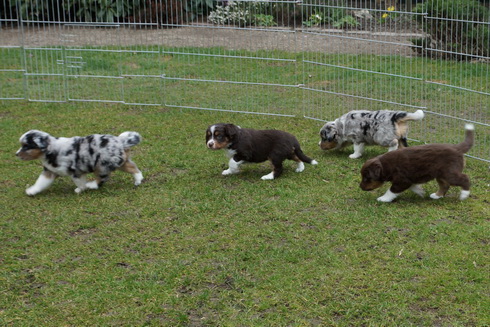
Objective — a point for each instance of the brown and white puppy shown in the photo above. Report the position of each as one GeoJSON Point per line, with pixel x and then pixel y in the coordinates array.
{"type": "Point", "coordinates": [78, 156]}
{"type": "Point", "coordinates": [360, 127]}
{"type": "Point", "coordinates": [250, 145]}
{"type": "Point", "coordinates": [407, 168]}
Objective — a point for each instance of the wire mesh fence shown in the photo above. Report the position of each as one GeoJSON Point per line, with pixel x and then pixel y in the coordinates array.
{"type": "Point", "coordinates": [313, 58]}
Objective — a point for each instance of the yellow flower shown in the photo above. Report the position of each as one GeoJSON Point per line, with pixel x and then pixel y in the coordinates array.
{"type": "Point", "coordinates": [392, 8]}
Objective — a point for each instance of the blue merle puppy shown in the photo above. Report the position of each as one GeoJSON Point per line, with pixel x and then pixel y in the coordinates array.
{"type": "Point", "coordinates": [360, 127]}
{"type": "Point", "coordinates": [78, 156]}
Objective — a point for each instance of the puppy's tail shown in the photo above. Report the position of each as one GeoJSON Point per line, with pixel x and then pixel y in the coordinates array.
{"type": "Point", "coordinates": [405, 116]}
{"type": "Point", "coordinates": [466, 145]}
{"type": "Point", "coordinates": [130, 139]}
{"type": "Point", "coordinates": [303, 157]}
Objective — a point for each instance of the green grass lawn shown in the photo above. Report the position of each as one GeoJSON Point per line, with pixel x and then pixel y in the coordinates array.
{"type": "Point", "coordinates": [190, 247]}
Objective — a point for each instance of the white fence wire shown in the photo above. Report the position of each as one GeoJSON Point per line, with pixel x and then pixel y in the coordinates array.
{"type": "Point", "coordinates": [312, 58]}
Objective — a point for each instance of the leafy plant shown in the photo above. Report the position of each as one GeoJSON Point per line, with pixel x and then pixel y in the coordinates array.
{"type": "Point", "coordinates": [195, 8]}
{"type": "Point", "coordinates": [455, 28]}
{"type": "Point", "coordinates": [387, 15]}
{"type": "Point", "coordinates": [232, 13]}
{"type": "Point", "coordinates": [314, 20]}
{"type": "Point", "coordinates": [334, 14]}
{"type": "Point", "coordinates": [264, 20]}
{"type": "Point", "coordinates": [107, 11]}
{"type": "Point", "coordinates": [327, 16]}
{"type": "Point", "coordinates": [243, 13]}
{"type": "Point", "coordinates": [346, 22]}
{"type": "Point", "coordinates": [155, 11]}
{"type": "Point", "coordinates": [48, 10]}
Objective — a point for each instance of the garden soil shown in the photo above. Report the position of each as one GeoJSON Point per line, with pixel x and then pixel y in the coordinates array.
{"type": "Point", "coordinates": [386, 42]}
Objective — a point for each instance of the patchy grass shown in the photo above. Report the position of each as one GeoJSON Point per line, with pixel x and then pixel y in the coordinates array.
{"type": "Point", "coordinates": [190, 247]}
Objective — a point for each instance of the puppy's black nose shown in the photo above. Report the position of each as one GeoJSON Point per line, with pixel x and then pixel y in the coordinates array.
{"type": "Point", "coordinates": [210, 144]}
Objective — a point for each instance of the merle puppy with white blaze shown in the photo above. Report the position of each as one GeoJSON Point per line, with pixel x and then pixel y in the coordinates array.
{"type": "Point", "coordinates": [362, 127]}
{"type": "Point", "coordinates": [78, 156]}
{"type": "Point", "coordinates": [250, 145]}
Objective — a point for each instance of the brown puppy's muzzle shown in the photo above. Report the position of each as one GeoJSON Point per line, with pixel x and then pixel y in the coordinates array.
{"type": "Point", "coordinates": [369, 186]}
{"type": "Point", "coordinates": [327, 145]}
{"type": "Point", "coordinates": [213, 145]}
{"type": "Point", "coordinates": [29, 154]}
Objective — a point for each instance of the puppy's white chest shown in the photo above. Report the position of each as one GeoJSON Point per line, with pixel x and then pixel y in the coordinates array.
{"type": "Point", "coordinates": [59, 170]}
{"type": "Point", "coordinates": [230, 153]}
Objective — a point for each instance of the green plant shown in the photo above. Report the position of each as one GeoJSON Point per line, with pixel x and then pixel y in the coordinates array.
{"type": "Point", "coordinates": [107, 11]}
{"type": "Point", "coordinates": [232, 13]}
{"type": "Point", "coordinates": [454, 27]}
{"type": "Point", "coordinates": [195, 8]}
{"type": "Point", "coordinates": [242, 13]}
{"type": "Point", "coordinates": [334, 14]}
{"type": "Point", "coordinates": [388, 14]}
{"type": "Point", "coordinates": [49, 10]}
{"type": "Point", "coordinates": [156, 11]}
{"type": "Point", "coordinates": [314, 20]}
{"type": "Point", "coordinates": [346, 22]}
{"type": "Point", "coordinates": [264, 20]}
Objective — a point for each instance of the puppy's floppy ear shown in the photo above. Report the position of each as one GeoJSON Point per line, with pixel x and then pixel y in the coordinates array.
{"type": "Point", "coordinates": [375, 170]}
{"type": "Point", "coordinates": [231, 131]}
{"type": "Point", "coordinates": [323, 134]}
{"type": "Point", "coordinates": [334, 130]}
{"type": "Point", "coordinates": [37, 138]}
{"type": "Point", "coordinates": [332, 136]}
{"type": "Point", "coordinates": [328, 132]}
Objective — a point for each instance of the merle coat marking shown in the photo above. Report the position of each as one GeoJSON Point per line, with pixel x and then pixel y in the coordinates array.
{"type": "Point", "coordinates": [360, 127]}
{"type": "Point", "coordinates": [250, 145]}
{"type": "Point", "coordinates": [408, 167]}
{"type": "Point", "coordinates": [78, 156]}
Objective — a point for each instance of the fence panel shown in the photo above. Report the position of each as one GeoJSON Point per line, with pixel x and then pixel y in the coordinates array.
{"type": "Point", "coordinates": [12, 66]}
{"type": "Point", "coordinates": [241, 56]}
{"type": "Point", "coordinates": [311, 58]}
{"type": "Point", "coordinates": [368, 63]}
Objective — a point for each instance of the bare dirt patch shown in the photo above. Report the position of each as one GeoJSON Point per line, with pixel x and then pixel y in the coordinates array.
{"type": "Point", "coordinates": [367, 41]}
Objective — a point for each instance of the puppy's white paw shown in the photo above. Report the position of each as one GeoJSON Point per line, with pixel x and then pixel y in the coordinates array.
{"type": "Point", "coordinates": [229, 172]}
{"type": "Point", "coordinates": [268, 177]}
{"type": "Point", "coordinates": [78, 190]}
{"type": "Point", "coordinates": [91, 185]}
{"type": "Point", "coordinates": [31, 191]}
{"type": "Point", "coordinates": [464, 195]}
{"type": "Point", "coordinates": [301, 167]}
{"type": "Point", "coordinates": [314, 162]}
{"type": "Point", "coordinates": [388, 196]}
{"type": "Point", "coordinates": [355, 156]}
{"type": "Point", "coordinates": [384, 199]}
{"type": "Point", "coordinates": [435, 196]}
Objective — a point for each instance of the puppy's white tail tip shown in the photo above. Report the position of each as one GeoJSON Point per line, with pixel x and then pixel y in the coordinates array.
{"type": "Point", "coordinates": [314, 162]}
{"type": "Point", "coordinates": [469, 127]}
{"type": "Point", "coordinates": [417, 115]}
